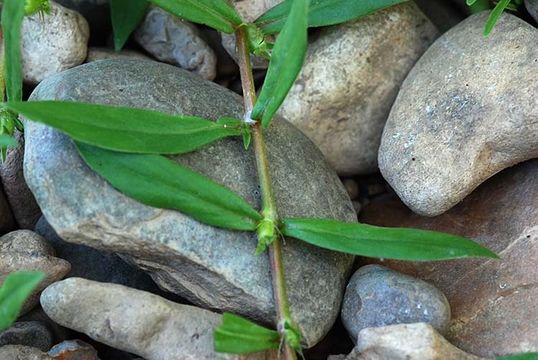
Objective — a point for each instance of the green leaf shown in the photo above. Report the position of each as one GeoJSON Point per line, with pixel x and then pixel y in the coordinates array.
{"type": "Point", "coordinates": [385, 243]}
{"type": "Point", "coordinates": [12, 15]}
{"type": "Point", "coordinates": [128, 129]}
{"type": "Point", "coordinates": [495, 15]}
{"type": "Point", "coordinates": [126, 15]}
{"type": "Point", "coordinates": [237, 335]}
{"type": "Point", "coordinates": [37, 6]}
{"type": "Point", "coordinates": [217, 14]}
{"type": "Point", "coordinates": [286, 61]}
{"type": "Point", "coordinates": [7, 141]}
{"type": "Point", "coordinates": [157, 181]}
{"type": "Point", "coordinates": [322, 12]}
{"type": "Point", "coordinates": [522, 356]}
{"type": "Point", "coordinates": [14, 291]}
{"type": "Point", "coordinates": [478, 5]}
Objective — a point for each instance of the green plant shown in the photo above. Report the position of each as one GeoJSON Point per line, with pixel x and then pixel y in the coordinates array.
{"type": "Point", "coordinates": [14, 291]}
{"type": "Point", "coordinates": [500, 7]}
{"type": "Point", "coordinates": [126, 147]}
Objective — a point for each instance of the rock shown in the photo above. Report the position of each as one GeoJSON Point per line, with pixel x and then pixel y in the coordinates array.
{"type": "Point", "coordinates": [58, 332]}
{"type": "Point", "coordinates": [97, 13]}
{"type": "Point", "coordinates": [377, 296]}
{"type": "Point", "coordinates": [53, 43]}
{"type": "Point", "coordinates": [93, 264]}
{"type": "Point", "coordinates": [443, 13]}
{"type": "Point", "coordinates": [22, 201]}
{"type": "Point", "coordinates": [7, 222]}
{"type": "Point", "coordinates": [249, 10]}
{"type": "Point", "coordinates": [23, 250]}
{"type": "Point", "coordinates": [493, 302]}
{"type": "Point", "coordinates": [19, 352]}
{"type": "Point", "coordinates": [206, 265]}
{"type": "Point", "coordinates": [27, 333]}
{"type": "Point", "coordinates": [341, 102]}
{"type": "Point", "coordinates": [132, 320]}
{"type": "Point", "coordinates": [101, 53]}
{"type": "Point", "coordinates": [459, 119]}
{"type": "Point", "coordinates": [532, 8]}
{"type": "Point", "coordinates": [352, 188]}
{"type": "Point", "coordinates": [177, 42]}
{"type": "Point", "coordinates": [418, 341]}
{"type": "Point", "coordinates": [73, 350]}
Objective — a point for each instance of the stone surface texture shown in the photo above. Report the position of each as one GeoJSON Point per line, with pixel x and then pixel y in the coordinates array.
{"type": "Point", "coordinates": [28, 333]}
{"type": "Point", "coordinates": [377, 296]}
{"type": "Point", "coordinates": [342, 102]}
{"type": "Point", "coordinates": [532, 8]}
{"type": "Point", "coordinates": [21, 352]}
{"type": "Point", "coordinates": [24, 250]}
{"type": "Point", "coordinates": [53, 43]}
{"type": "Point", "coordinates": [493, 302]}
{"type": "Point", "coordinates": [211, 267]}
{"type": "Point", "coordinates": [467, 110]}
{"type": "Point", "coordinates": [102, 53]}
{"type": "Point", "coordinates": [73, 350]}
{"type": "Point", "coordinates": [177, 42]}
{"type": "Point", "coordinates": [21, 200]}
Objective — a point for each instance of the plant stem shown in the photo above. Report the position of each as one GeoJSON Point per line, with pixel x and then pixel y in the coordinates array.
{"type": "Point", "coordinates": [269, 210]}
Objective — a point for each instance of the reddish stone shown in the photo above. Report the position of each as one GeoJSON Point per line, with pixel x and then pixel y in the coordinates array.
{"type": "Point", "coordinates": [494, 302]}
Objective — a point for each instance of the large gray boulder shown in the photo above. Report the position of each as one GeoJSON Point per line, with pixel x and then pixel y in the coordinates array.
{"type": "Point", "coordinates": [211, 267]}
{"type": "Point", "coordinates": [467, 110]}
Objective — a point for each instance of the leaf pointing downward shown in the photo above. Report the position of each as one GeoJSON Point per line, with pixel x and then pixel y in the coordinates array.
{"type": "Point", "coordinates": [126, 15]}
{"type": "Point", "coordinates": [157, 181]}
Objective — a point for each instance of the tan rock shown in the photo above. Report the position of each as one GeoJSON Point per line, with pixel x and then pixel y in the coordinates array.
{"type": "Point", "coordinates": [20, 352]}
{"type": "Point", "coordinates": [493, 302]}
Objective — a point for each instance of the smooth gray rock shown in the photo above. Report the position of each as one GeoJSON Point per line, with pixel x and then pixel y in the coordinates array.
{"type": "Point", "coordinates": [24, 250]}
{"type": "Point", "coordinates": [7, 222]}
{"type": "Point", "coordinates": [21, 200]}
{"type": "Point", "coordinates": [532, 8]}
{"type": "Point", "coordinates": [378, 296]}
{"type": "Point", "coordinates": [350, 79]}
{"type": "Point", "coordinates": [211, 267]}
{"type": "Point", "coordinates": [177, 42]}
{"type": "Point", "coordinates": [53, 42]}
{"type": "Point", "coordinates": [467, 110]}
{"type": "Point", "coordinates": [28, 333]}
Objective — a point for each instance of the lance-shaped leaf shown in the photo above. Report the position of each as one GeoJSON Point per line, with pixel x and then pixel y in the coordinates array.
{"type": "Point", "coordinates": [495, 15]}
{"type": "Point", "coordinates": [385, 243]}
{"type": "Point", "coordinates": [12, 15]}
{"type": "Point", "coordinates": [322, 12]}
{"type": "Point", "coordinates": [14, 291]}
{"type": "Point", "coordinates": [127, 129]}
{"type": "Point", "coordinates": [7, 141]}
{"type": "Point", "coordinates": [286, 62]}
{"type": "Point", "coordinates": [160, 182]}
{"type": "Point", "coordinates": [218, 14]}
{"type": "Point", "coordinates": [237, 335]}
{"type": "Point", "coordinates": [126, 15]}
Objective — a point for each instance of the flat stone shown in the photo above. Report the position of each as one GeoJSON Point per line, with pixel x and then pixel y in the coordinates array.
{"type": "Point", "coordinates": [21, 200]}
{"type": "Point", "coordinates": [7, 222]}
{"type": "Point", "coordinates": [211, 267]}
{"type": "Point", "coordinates": [467, 110]}
{"type": "Point", "coordinates": [53, 43]}
{"type": "Point", "coordinates": [493, 302]}
{"type": "Point", "coordinates": [27, 333]}
{"type": "Point", "coordinates": [342, 102]}
{"type": "Point", "coordinates": [73, 350]}
{"type": "Point", "coordinates": [102, 53]}
{"type": "Point", "coordinates": [24, 250]}
{"type": "Point", "coordinates": [177, 42]}
{"type": "Point", "coordinates": [419, 341]}
{"type": "Point", "coordinates": [532, 8]}
{"type": "Point", "coordinates": [20, 352]}
{"type": "Point", "coordinates": [377, 296]}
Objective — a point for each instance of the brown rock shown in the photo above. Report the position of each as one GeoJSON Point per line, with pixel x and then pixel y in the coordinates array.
{"type": "Point", "coordinates": [22, 202]}
{"type": "Point", "coordinates": [73, 350]}
{"type": "Point", "coordinates": [493, 302]}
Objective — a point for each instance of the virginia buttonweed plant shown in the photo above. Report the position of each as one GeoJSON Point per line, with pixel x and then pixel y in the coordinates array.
{"type": "Point", "coordinates": [138, 168]}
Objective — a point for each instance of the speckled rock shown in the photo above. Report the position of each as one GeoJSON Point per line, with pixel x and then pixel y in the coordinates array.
{"type": "Point", "coordinates": [377, 296]}
{"type": "Point", "coordinates": [131, 320]}
{"type": "Point", "coordinates": [7, 222]}
{"type": "Point", "coordinates": [177, 42]}
{"type": "Point", "coordinates": [20, 352]}
{"type": "Point", "coordinates": [53, 43]}
{"type": "Point", "coordinates": [27, 333]}
{"type": "Point", "coordinates": [493, 302]}
{"type": "Point", "coordinates": [209, 266]}
{"type": "Point", "coordinates": [102, 53]}
{"type": "Point", "coordinates": [342, 102]}
{"type": "Point", "coordinates": [73, 350]}
{"type": "Point", "coordinates": [467, 110]}
{"type": "Point", "coordinates": [21, 200]}
{"type": "Point", "coordinates": [419, 341]}
{"type": "Point", "coordinates": [532, 8]}
{"type": "Point", "coordinates": [24, 250]}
